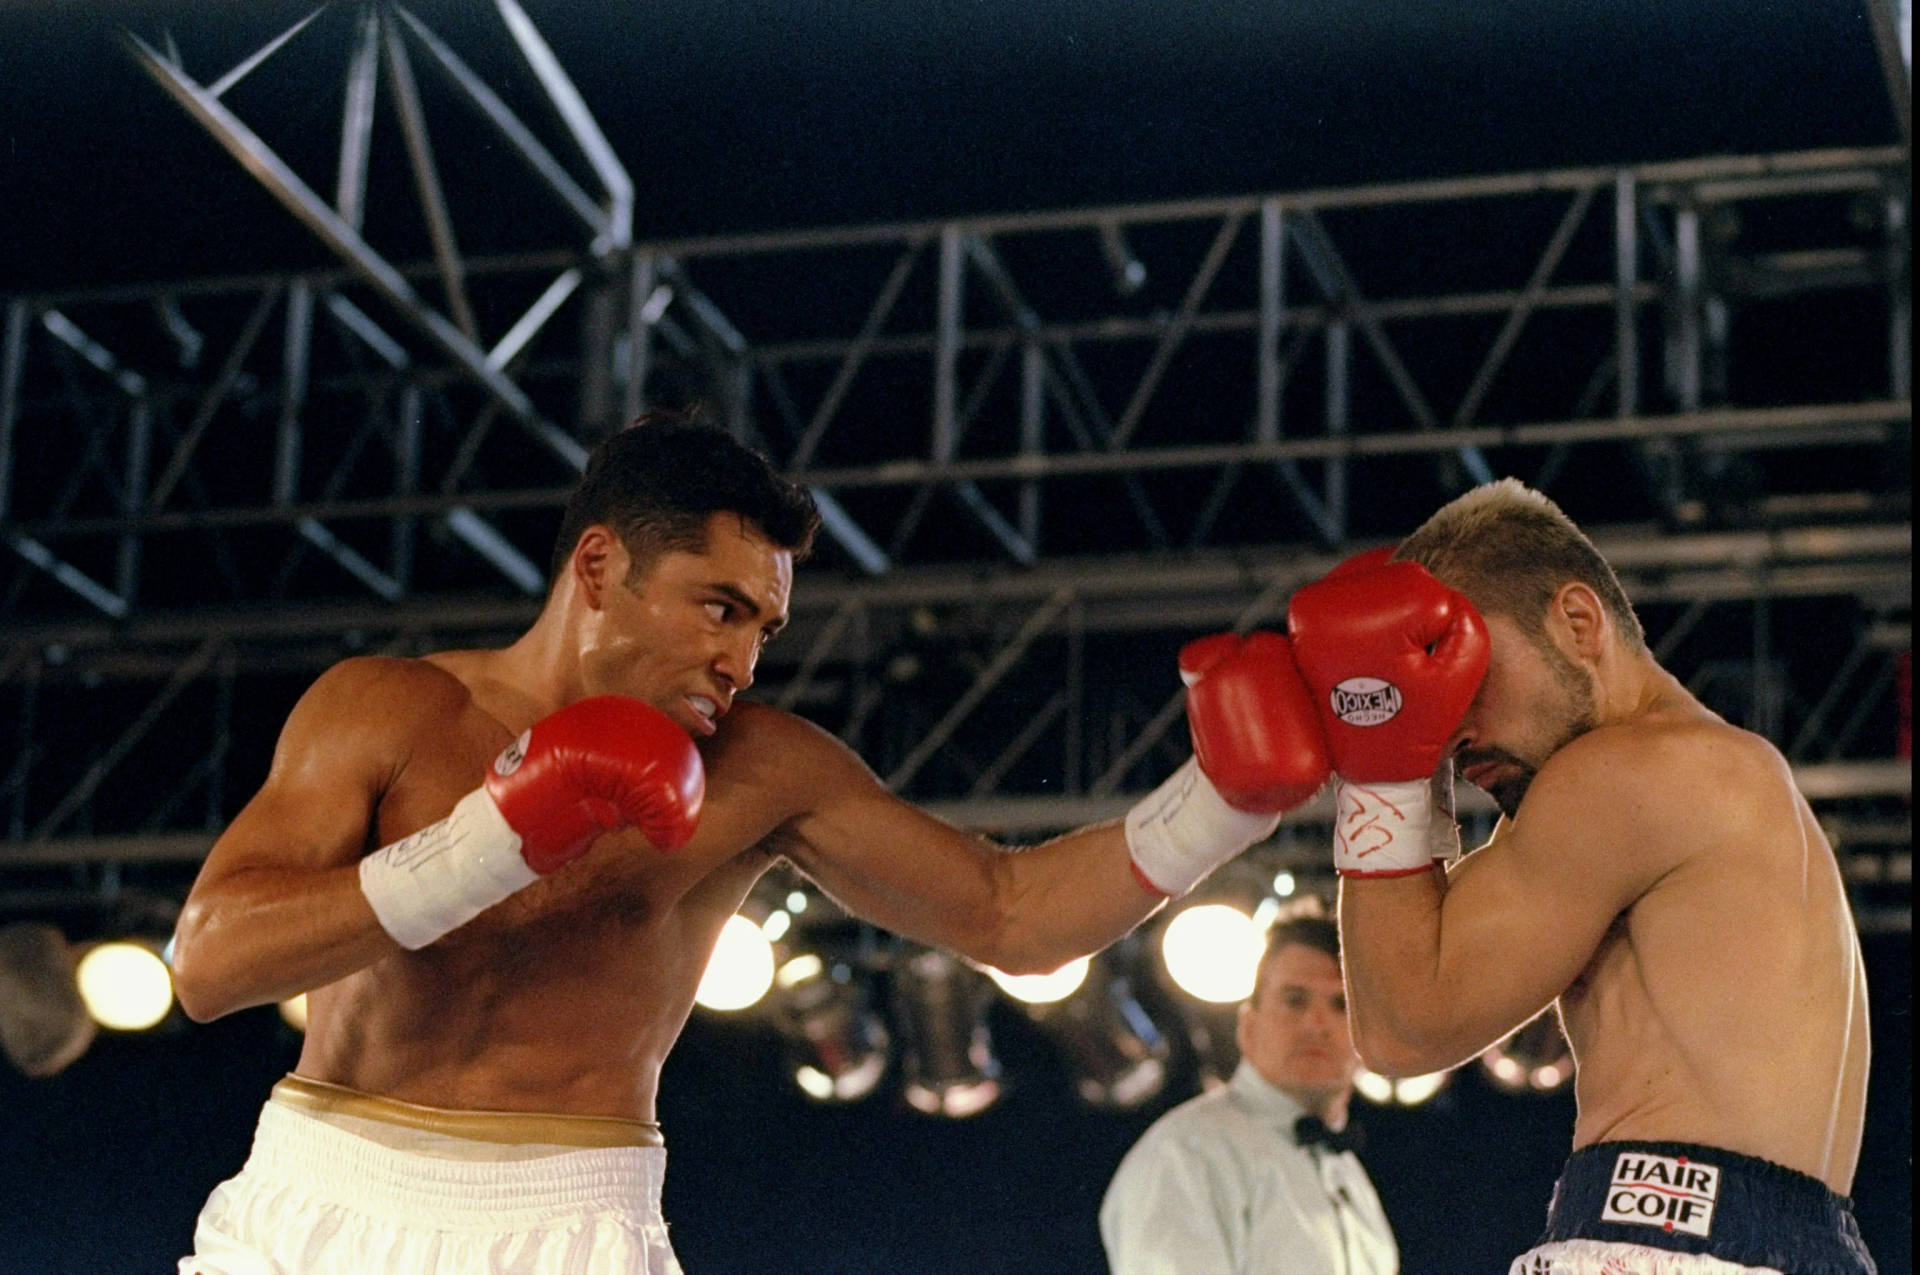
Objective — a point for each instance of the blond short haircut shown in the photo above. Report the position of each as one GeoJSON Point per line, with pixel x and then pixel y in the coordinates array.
{"type": "Point", "coordinates": [1510, 549]}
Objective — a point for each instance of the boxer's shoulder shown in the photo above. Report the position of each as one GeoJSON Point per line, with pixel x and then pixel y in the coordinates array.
{"type": "Point", "coordinates": [425, 685]}
{"type": "Point", "coordinates": [387, 706]}
{"type": "Point", "coordinates": [760, 737]}
{"type": "Point", "coordinates": [1658, 762]}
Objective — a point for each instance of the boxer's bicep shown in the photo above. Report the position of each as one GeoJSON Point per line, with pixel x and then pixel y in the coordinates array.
{"type": "Point", "coordinates": [1523, 917]}
{"type": "Point", "coordinates": [889, 862]}
{"type": "Point", "coordinates": [337, 751]}
{"type": "Point", "coordinates": [277, 901]}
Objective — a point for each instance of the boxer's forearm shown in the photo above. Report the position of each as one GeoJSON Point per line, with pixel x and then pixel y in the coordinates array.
{"type": "Point", "coordinates": [1402, 1011]}
{"type": "Point", "coordinates": [261, 935]}
{"type": "Point", "coordinates": [1066, 898]}
{"type": "Point", "coordinates": [1018, 909]}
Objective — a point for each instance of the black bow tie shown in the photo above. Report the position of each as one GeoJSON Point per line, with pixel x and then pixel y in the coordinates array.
{"type": "Point", "coordinates": [1311, 1131]}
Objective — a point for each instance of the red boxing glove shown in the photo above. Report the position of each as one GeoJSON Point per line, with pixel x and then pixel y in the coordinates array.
{"type": "Point", "coordinates": [594, 767]}
{"type": "Point", "coordinates": [1255, 728]}
{"type": "Point", "coordinates": [1394, 658]}
{"type": "Point", "coordinates": [1257, 751]}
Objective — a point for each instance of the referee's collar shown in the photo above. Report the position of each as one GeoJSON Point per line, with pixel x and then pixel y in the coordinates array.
{"type": "Point", "coordinates": [1257, 1094]}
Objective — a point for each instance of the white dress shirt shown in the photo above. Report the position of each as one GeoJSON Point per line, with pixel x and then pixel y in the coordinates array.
{"type": "Point", "coordinates": [1218, 1186]}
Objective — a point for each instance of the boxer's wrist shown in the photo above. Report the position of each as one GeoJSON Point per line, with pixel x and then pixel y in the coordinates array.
{"type": "Point", "coordinates": [1184, 829]}
{"type": "Point", "coordinates": [1443, 831]}
{"type": "Point", "coordinates": [436, 880]}
{"type": "Point", "coordinates": [1384, 829]}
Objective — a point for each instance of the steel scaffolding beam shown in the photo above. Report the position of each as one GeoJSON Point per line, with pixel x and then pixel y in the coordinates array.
{"type": "Point", "coordinates": [1051, 445]}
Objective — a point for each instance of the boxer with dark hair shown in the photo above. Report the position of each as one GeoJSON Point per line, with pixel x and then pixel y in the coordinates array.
{"type": "Point", "coordinates": [498, 876]}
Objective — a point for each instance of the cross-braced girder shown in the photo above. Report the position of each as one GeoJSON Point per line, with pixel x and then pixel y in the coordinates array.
{"type": "Point", "coordinates": [1050, 445]}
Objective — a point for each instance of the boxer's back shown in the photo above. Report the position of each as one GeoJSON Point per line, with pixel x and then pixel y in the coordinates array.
{"type": "Point", "coordinates": [1727, 1005]}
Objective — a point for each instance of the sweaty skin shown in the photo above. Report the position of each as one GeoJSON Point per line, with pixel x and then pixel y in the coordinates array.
{"type": "Point", "coordinates": [1662, 881]}
{"type": "Point", "coordinates": [567, 996]}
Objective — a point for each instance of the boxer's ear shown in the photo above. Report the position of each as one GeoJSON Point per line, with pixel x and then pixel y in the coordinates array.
{"type": "Point", "coordinates": [598, 563]}
{"type": "Point", "coordinates": [1582, 619]}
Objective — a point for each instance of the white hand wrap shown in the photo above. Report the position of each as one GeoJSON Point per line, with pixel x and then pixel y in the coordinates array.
{"type": "Point", "coordinates": [1184, 829]}
{"type": "Point", "coordinates": [446, 874]}
{"type": "Point", "coordinates": [1443, 833]}
{"type": "Point", "coordinates": [1394, 829]}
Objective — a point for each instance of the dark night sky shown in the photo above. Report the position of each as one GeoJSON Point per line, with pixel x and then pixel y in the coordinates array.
{"type": "Point", "coordinates": [761, 113]}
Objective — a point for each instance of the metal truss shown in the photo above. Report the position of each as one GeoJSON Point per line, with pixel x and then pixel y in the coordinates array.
{"type": "Point", "coordinates": [1049, 445]}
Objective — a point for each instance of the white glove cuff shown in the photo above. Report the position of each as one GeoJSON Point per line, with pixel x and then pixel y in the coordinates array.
{"type": "Point", "coordinates": [1383, 829]}
{"type": "Point", "coordinates": [1184, 829]}
{"type": "Point", "coordinates": [444, 875]}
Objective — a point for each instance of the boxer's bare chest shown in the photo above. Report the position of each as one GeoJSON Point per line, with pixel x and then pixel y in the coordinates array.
{"type": "Point", "coordinates": [564, 996]}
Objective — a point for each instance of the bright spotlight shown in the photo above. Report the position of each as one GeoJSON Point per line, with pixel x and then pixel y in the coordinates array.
{"type": "Point", "coordinates": [949, 1066]}
{"type": "Point", "coordinates": [1407, 1091]}
{"type": "Point", "coordinates": [1284, 884]}
{"type": "Point", "coordinates": [1265, 913]}
{"type": "Point", "coordinates": [1411, 1091]}
{"type": "Point", "coordinates": [1536, 1057]}
{"type": "Point", "coordinates": [125, 986]}
{"type": "Point", "coordinates": [740, 970]}
{"type": "Point", "coordinates": [293, 1011]}
{"type": "Point", "coordinates": [813, 1082]}
{"type": "Point", "coordinates": [1212, 952]}
{"type": "Point", "coordinates": [1373, 1086]}
{"type": "Point", "coordinates": [1043, 989]}
{"type": "Point", "coordinates": [1115, 1051]}
{"type": "Point", "coordinates": [836, 1043]}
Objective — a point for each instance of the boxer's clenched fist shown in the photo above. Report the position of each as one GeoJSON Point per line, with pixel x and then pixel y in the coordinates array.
{"type": "Point", "coordinates": [593, 767]}
{"type": "Point", "coordinates": [1255, 731]}
{"type": "Point", "coordinates": [1394, 659]}
{"type": "Point", "coordinates": [1258, 751]}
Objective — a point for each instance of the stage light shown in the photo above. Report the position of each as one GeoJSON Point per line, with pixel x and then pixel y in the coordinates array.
{"type": "Point", "coordinates": [1043, 989]}
{"type": "Point", "coordinates": [1536, 1058]}
{"type": "Point", "coordinates": [1212, 952]}
{"type": "Point", "coordinates": [1406, 1091]}
{"type": "Point", "coordinates": [125, 985]}
{"type": "Point", "coordinates": [740, 970]}
{"type": "Point", "coordinates": [1128, 272]}
{"type": "Point", "coordinates": [1284, 884]}
{"type": "Point", "coordinates": [940, 1006]}
{"type": "Point", "coordinates": [836, 1044]}
{"type": "Point", "coordinates": [1411, 1091]}
{"type": "Point", "coordinates": [293, 1011]}
{"type": "Point", "coordinates": [1115, 1051]}
{"type": "Point", "coordinates": [44, 1026]}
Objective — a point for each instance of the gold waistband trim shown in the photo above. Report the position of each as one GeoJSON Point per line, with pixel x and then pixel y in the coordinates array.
{"type": "Point", "coordinates": [514, 1128]}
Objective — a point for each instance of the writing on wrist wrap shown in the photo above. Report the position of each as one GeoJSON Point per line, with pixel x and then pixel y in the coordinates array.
{"type": "Point", "coordinates": [1382, 829]}
{"type": "Point", "coordinates": [436, 880]}
{"type": "Point", "coordinates": [1395, 829]}
{"type": "Point", "coordinates": [1184, 829]}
